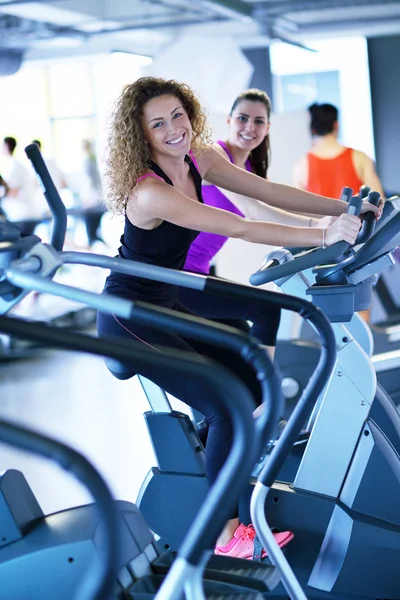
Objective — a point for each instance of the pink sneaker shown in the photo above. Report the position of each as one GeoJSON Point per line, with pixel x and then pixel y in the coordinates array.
{"type": "Point", "coordinates": [242, 543]}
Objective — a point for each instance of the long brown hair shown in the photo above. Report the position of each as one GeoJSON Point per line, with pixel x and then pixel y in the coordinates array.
{"type": "Point", "coordinates": [261, 155]}
{"type": "Point", "coordinates": [128, 154]}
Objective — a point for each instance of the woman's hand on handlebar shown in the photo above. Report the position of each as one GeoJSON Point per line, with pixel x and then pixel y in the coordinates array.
{"type": "Point", "coordinates": [380, 208]}
{"type": "Point", "coordinates": [368, 207]}
{"type": "Point", "coordinates": [345, 228]}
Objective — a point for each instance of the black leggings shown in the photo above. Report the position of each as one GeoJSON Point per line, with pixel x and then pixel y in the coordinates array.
{"type": "Point", "coordinates": [236, 312]}
{"type": "Point", "coordinates": [194, 393]}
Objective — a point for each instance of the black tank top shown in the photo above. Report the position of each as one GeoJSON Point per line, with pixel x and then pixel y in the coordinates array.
{"type": "Point", "coordinates": [166, 246]}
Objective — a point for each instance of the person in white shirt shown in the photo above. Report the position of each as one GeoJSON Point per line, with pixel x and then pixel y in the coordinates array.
{"type": "Point", "coordinates": [3, 192]}
{"type": "Point", "coordinates": [19, 204]}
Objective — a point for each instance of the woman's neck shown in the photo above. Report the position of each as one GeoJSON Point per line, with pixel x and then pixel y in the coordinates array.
{"type": "Point", "coordinates": [175, 167]}
{"type": "Point", "coordinates": [239, 156]}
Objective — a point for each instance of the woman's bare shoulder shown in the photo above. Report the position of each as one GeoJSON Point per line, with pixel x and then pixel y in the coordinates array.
{"type": "Point", "coordinates": [209, 157]}
{"type": "Point", "coordinates": [220, 149]}
{"type": "Point", "coordinates": [206, 158]}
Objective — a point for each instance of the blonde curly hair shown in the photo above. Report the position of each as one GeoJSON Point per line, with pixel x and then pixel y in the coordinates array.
{"type": "Point", "coordinates": [128, 155]}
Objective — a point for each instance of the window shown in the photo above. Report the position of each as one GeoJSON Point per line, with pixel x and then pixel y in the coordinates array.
{"type": "Point", "coordinates": [24, 108]}
{"type": "Point", "coordinates": [68, 135]}
{"type": "Point", "coordinates": [62, 103]}
{"type": "Point", "coordinates": [70, 89]}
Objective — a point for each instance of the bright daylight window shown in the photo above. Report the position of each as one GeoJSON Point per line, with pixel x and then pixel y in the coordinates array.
{"type": "Point", "coordinates": [64, 102]}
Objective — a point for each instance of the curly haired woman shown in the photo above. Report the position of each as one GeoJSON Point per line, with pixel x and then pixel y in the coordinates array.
{"type": "Point", "coordinates": [159, 152]}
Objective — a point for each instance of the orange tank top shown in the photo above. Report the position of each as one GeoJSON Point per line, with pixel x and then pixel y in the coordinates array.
{"type": "Point", "coordinates": [328, 176]}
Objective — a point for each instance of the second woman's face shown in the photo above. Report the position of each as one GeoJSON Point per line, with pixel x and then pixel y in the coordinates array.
{"type": "Point", "coordinates": [248, 124]}
{"type": "Point", "coordinates": [166, 126]}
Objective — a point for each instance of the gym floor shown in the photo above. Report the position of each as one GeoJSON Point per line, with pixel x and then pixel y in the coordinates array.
{"type": "Point", "coordinates": [73, 398]}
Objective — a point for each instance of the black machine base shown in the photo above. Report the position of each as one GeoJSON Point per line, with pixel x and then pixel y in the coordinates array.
{"type": "Point", "coordinates": [169, 502]}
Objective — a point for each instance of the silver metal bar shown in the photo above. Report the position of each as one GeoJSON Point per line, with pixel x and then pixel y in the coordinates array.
{"type": "Point", "coordinates": [393, 335]}
{"type": "Point", "coordinates": [153, 272]}
{"type": "Point", "coordinates": [41, 258]}
{"type": "Point", "coordinates": [177, 580]}
{"type": "Point", "coordinates": [194, 580]}
{"type": "Point", "coordinates": [156, 397]}
{"type": "Point", "coordinates": [386, 361]}
{"type": "Point", "coordinates": [106, 302]}
{"type": "Point", "coordinates": [257, 510]}
{"type": "Point", "coordinates": [30, 264]}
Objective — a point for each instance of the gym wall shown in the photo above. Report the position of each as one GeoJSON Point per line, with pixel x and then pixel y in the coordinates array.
{"type": "Point", "coordinates": [384, 68]}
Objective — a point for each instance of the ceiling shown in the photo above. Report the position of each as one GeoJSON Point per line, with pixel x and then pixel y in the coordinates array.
{"type": "Point", "coordinates": [47, 29]}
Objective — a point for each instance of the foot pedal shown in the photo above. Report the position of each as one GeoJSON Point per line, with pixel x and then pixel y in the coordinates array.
{"type": "Point", "coordinates": [261, 577]}
{"type": "Point", "coordinates": [147, 587]}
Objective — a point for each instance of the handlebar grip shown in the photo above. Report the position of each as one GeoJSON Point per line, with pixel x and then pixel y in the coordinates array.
{"type": "Point", "coordinates": [368, 226]}
{"type": "Point", "coordinates": [374, 198]}
{"type": "Point", "coordinates": [310, 259]}
{"type": "Point", "coordinates": [347, 193]}
{"type": "Point", "coordinates": [354, 207]}
{"type": "Point", "coordinates": [364, 191]}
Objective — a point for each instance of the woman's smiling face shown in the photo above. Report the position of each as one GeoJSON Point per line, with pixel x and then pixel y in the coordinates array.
{"type": "Point", "coordinates": [248, 124]}
{"type": "Point", "coordinates": [166, 126]}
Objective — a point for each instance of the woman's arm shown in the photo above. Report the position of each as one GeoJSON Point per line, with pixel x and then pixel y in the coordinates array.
{"type": "Point", "coordinates": [259, 211]}
{"type": "Point", "coordinates": [222, 173]}
{"type": "Point", "coordinates": [155, 200]}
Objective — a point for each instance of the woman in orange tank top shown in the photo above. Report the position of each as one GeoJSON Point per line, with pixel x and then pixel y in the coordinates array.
{"type": "Point", "coordinates": [330, 166]}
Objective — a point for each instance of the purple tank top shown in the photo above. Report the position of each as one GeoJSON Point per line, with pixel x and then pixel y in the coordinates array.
{"type": "Point", "coordinates": [206, 245]}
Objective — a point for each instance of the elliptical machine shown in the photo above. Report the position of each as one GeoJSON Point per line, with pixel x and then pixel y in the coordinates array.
{"type": "Point", "coordinates": [339, 490]}
{"type": "Point", "coordinates": [297, 350]}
